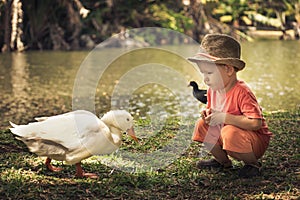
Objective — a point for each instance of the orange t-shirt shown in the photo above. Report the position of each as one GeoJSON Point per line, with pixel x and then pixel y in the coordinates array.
{"type": "Point", "coordinates": [238, 101]}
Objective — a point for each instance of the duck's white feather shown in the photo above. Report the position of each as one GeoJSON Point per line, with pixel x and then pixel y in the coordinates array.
{"type": "Point", "coordinates": [72, 136]}
{"type": "Point", "coordinates": [13, 125]}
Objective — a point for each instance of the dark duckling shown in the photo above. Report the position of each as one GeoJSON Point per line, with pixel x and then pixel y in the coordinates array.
{"type": "Point", "coordinates": [200, 95]}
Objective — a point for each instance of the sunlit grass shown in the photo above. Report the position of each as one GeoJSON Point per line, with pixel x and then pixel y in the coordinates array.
{"type": "Point", "coordinates": [24, 176]}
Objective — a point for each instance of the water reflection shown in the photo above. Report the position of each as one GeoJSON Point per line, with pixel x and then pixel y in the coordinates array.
{"type": "Point", "coordinates": [36, 78]}
{"type": "Point", "coordinates": [19, 76]}
{"type": "Point", "coordinates": [36, 84]}
{"type": "Point", "coordinates": [272, 71]}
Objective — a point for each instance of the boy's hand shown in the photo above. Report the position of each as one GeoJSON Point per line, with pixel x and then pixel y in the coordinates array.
{"type": "Point", "coordinates": [215, 118]}
{"type": "Point", "coordinates": [205, 113]}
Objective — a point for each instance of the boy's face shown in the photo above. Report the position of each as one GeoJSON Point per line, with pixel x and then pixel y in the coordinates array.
{"type": "Point", "coordinates": [215, 76]}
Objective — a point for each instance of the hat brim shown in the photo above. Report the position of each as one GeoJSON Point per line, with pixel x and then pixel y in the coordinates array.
{"type": "Point", "coordinates": [238, 63]}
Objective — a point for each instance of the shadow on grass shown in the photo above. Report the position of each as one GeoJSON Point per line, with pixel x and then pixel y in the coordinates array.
{"type": "Point", "coordinates": [23, 175]}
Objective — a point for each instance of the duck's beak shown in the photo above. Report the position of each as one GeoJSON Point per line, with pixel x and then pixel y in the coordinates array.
{"type": "Point", "coordinates": [131, 133]}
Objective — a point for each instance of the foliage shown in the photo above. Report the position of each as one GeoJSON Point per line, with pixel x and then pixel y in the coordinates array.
{"type": "Point", "coordinates": [233, 9]}
{"type": "Point", "coordinates": [23, 175]}
{"type": "Point", "coordinates": [57, 24]}
{"type": "Point", "coordinates": [167, 18]}
{"type": "Point", "coordinates": [250, 12]}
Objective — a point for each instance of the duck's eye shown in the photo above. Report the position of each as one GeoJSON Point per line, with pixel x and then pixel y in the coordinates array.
{"type": "Point", "coordinates": [127, 119]}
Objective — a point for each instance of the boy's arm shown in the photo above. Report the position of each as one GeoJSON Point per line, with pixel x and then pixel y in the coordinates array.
{"type": "Point", "coordinates": [240, 121]}
{"type": "Point", "coordinates": [243, 122]}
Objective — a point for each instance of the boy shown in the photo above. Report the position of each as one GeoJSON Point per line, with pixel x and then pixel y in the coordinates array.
{"type": "Point", "coordinates": [232, 124]}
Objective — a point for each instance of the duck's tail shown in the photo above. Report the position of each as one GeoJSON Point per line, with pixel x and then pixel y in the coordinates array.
{"type": "Point", "coordinates": [13, 129]}
{"type": "Point", "coordinates": [20, 130]}
{"type": "Point", "coordinates": [13, 125]}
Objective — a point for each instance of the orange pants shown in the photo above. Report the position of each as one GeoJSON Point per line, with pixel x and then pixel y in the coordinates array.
{"type": "Point", "coordinates": [232, 138]}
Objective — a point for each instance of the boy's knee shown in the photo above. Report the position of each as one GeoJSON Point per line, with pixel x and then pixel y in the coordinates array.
{"type": "Point", "coordinates": [201, 126]}
{"type": "Point", "coordinates": [229, 132]}
{"type": "Point", "coordinates": [200, 131]}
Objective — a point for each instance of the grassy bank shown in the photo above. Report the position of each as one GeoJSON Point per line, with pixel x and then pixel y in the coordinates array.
{"type": "Point", "coordinates": [23, 175]}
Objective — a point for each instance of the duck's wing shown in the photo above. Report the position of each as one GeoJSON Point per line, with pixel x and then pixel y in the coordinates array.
{"type": "Point", "coordinates": [43, 147]}
{"type": "Point", "coordinates": [66, 129]}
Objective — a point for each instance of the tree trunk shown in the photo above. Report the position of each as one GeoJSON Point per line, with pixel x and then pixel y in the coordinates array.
{"type": "Point", "coordinates": [16, 26]}
{"type": "Point", "coordinates": [201, 24]}
{"type": "Point", "coordinates": [57, 38]}
{"type": "Point", "coordinates": [73, 26]}
{"type": "Point", "coordinates": [7, 30]}
{"type": "Point", "coordinates": [297, 17]}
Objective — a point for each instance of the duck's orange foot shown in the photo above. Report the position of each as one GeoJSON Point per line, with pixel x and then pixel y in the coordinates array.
{"type": "Point", "coordinates": [81, 174]}
{"type": "Point", "coordinates": [54, 169]}
{"type": "Point", "coordinates": [51, 167]}
{"type": "Point", "coordinates": [87, 175]}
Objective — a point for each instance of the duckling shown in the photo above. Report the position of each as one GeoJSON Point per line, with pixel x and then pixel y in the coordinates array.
{"type": "Point", "coordinates": [200, 95]}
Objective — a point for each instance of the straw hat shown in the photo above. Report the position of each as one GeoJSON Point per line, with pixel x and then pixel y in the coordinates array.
{"type": "Point", "coordinates": [219, 49]}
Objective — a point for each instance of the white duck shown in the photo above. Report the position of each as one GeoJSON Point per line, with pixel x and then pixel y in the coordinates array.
{"type": "Point", "coordinates": [75, 136]}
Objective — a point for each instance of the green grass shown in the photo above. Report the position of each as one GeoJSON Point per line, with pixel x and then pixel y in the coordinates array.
{"type": "Point", "coordinates": [23, 175]}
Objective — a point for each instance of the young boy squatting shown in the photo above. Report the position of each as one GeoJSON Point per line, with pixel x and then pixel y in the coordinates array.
{"type": "Point", "coordinates": [232, 123]}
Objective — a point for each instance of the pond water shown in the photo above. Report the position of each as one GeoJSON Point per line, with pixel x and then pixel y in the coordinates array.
{"type": "Point", "coordinates": [145, 81]}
